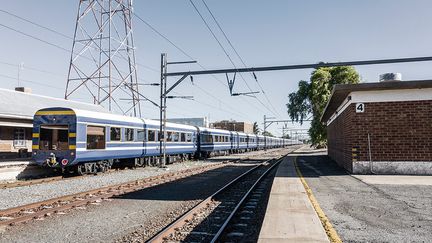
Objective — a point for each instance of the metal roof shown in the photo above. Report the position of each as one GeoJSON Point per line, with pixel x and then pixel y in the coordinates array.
{"type": "Point", "coordinates": [341, 91]}
{"type": "Point", "coordinates": [15, 104]}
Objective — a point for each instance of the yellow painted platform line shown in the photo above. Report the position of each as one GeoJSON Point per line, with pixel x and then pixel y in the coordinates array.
{"type": "Point", "coordinates": [328, 227]}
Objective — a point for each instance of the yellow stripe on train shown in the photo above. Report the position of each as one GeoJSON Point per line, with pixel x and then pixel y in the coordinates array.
{"type": "Point", "coordinates": [72, 135]}
{"type": "Point", "coordinates": [47, 113]}
{"type": "Point", "coordinates": [35, 147]}
{"type": "Point", "coordinates": [35, 135]}
{"type": "Point", "coordinates": [71, 147]}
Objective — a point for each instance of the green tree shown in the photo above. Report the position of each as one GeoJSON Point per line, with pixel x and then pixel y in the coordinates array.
{"type": "Point", "coordinates": [268, 134]}
{"type": "Point", "coordinates": [256, 129]}
{"type": "Point", "coordinates": [312, 97]}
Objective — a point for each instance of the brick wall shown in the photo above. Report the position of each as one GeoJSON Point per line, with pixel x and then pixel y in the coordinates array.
{"type": "Point", "coordinates": [399, 131]}
{"type": "Point", "coordinates": [339, 136]}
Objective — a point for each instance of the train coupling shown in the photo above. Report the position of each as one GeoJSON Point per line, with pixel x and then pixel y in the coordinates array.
{"type": "Point", "coordinates": [52, 160]}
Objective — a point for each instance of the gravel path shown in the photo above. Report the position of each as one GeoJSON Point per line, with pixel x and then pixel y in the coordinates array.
{"type": "Point", "coordinates": [13, 197]}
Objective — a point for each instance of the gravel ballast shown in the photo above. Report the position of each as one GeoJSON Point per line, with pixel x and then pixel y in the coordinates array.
{"type": "Point", "coordinates": [130, 217]}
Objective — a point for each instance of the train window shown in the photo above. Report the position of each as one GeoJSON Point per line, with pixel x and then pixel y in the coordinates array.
{"type": "Point", "coordinates": [151, 135]}
{"type": "Point", "coordinates": [140, 135]}
{"type": "Point", "coordinates": [189, 137]}
{"type": "Point", "coordinates": [95, 137]}
{"type": "Point", "coordinates": [115, 133]}
{"type": "Point", "coordinates": [182, 137]}
{"type": "Point", "coordinates": [175, 137]}
{"type": "Point", "coordinates": [54, 137]}
{"type": "Point", "coordinates": [169, 136]}
{"type": "Point", "coordinates": [129, 134]}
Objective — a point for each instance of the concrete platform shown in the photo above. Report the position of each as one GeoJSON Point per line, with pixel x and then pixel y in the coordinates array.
{"type": "Point", "coordinates": [419, 180]}
{"type": "Point", "coordinates": [12, 170]}
{"type": "Point", "coordinates": [290, 216]}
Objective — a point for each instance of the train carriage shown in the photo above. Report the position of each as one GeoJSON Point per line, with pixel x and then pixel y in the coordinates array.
{"type": "Point", "coordinates": [92, 141]}
{"type": "Point", "coordinates": [243, 142]}
{"type": "Point", "coordinates": [88, 142]}
{"type": "Point", "coordinates": [215, 141]}
{"type": "Point", "coordinates": [181, 139]}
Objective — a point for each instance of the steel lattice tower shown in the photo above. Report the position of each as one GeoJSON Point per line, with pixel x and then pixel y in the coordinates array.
{"type": "Point", "coordinates": [102, 64]}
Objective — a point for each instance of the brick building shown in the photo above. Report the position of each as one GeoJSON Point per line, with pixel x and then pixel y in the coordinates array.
{"type": "Point", "coordinates": [234, 126]}
{"type": "Point", "coordinates": [383, 128]}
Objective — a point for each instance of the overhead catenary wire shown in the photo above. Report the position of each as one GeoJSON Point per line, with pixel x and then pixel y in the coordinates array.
{"type": "Point", "coordinates": [226, 53]}
{"type": "Point", "coordinates": [69, 51]}
{"type": "Point", "coordinates": [237, 54]}
{"type": "Point", "coordinates": [54, 45]}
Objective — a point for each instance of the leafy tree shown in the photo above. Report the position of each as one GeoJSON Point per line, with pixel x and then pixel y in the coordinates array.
{"type": "Point", "coordinates": [312, 97]}
{"type": "Point", "coordinates": [286, 136]}
{"type": "Point", "coordinates": [268, 134]}
{"type": "Point", "coordinates": [256, 129]}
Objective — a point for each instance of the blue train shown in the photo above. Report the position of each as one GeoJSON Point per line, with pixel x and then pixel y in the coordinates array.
{"type": "Point", "coordinates": [89, 142]}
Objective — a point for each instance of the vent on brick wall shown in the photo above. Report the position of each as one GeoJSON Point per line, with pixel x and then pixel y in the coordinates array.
{"type": "Point", "coordinates": [390, 77]}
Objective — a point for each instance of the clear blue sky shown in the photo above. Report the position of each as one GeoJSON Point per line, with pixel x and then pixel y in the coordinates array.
{"type": "Point", "coordinates": [275, 32]}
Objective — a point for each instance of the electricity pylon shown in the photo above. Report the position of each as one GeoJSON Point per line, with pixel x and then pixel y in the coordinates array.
{"type": "Point", "coordinates": [102, 64]}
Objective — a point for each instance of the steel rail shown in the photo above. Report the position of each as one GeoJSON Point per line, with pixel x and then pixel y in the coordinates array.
{"type": "Point", "coordinates": [45, 208]}
{"type": "Point", "coordinates": [48, 179]}
{"type": "Point", "coordinates": [187, 216]}
{"type": "Point", "coordinates": [227, 221]}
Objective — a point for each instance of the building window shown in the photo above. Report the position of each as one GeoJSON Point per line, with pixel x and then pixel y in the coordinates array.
{"type": "Point", "coordinates": [115, 134]}
{"type": "Point", "coordinates": [95, 137]}
{"type": "Point", "coordinates": [19, 138]}
{"type": "Point", "coordinates": [151, 135]}
{"type": "Point", "coordinates": [140, 135]}
{"type": "Point", "coordinates": [129, 134]}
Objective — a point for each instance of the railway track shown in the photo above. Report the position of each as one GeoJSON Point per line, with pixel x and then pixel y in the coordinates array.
{"type": "Point", "coordinates": [59, 205]}
{"type": "Point", "coordinates": [227, 214]}
{"type": "Point", "coordinates": [50, 179]}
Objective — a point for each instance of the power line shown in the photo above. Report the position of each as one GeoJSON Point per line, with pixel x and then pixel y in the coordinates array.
{"type": "Point", "coordinates": [61, 34]}
{"type": "Point", "coordinates": [32, 68]}
{"type": "Point", "coordinates": [30, 81]}
{"type": "Point", "coordinates": [236, 52]}
{"type": "Point", "coordinates": [41, 40]}
{"type": "Point", "coordinates": [177, 47]}
{"type": "Point", "coordinates": [226, 53]}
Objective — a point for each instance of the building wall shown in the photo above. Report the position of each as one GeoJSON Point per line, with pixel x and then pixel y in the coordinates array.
{"type": "Point", "coordinates": [340, 138]}
{"type": "Point", "coordinates": [234, 126]}
{"type": "Point", "coordinates": [9, 146]}
{"type": "Point", "coordinates": [399, 131]}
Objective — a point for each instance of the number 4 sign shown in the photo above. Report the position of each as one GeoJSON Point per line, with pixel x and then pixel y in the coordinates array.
{"type": "Point", "coordinates": [360, 108]}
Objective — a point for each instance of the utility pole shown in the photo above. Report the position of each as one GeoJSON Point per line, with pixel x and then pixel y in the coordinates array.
{"type": "Point", "coordinates": [162, 120]}
{"type": "Point", "coordinates": [163, 104]}
{"type": "Point", "coordinates": [265, 128]}
{"type": "Point", "coordinates": [20, 67]}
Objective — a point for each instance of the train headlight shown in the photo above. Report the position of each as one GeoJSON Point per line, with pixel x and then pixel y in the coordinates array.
{"type": "Point", "coordinates": [72, 153]}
